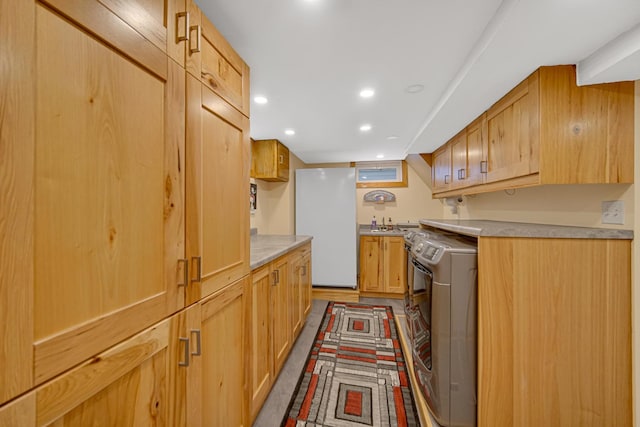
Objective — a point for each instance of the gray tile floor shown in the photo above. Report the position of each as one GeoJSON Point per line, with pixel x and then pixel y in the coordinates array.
{"type": "Point", "coordinates": [276, 404]}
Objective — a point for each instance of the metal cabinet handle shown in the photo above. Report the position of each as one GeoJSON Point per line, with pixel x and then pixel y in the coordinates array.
{"type": "Point", "coordinates": [198, 259]}
{"type": "Point", "coordinates": [198, 29]}
{"type": "Point", "coordinates": [180, 38]}
{"type": "Point", "coordinates": [304, 270]}
{"type": "Point", "coordinates": [281, 158]}
{"type": "Point", "coordinates": [198, 351]}
{"type": "Point", "coordinates": [185, 272]}
{"type": "Point", "coordinates": [446, 179]}
{"type": "Point", "coordinates": [274, 277]}
{"type": "Point", "coordinates": [484, 166]}
{"type": "Point", "coordinates": [461, 174]}
{"type": "Point", "coordinates": [186, 352]}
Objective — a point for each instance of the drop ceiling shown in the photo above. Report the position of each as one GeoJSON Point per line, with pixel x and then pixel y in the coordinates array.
{"type": "Point", "coordinates": [311, 59]}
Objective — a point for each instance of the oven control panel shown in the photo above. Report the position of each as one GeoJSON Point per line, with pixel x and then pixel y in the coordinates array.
{"type": "Point", "coordinates": [427, 251]}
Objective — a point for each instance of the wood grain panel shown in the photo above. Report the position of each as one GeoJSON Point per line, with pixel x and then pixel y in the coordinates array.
{"type": "Point", "coordinates": [513, 133]}
{"type": "Point", "coordinates": [217, 182]}
{"type": "Point", "coordinates": [108, 196]}
{"type": "Point", "coordinates": [476, 146]}
{"type": "Point", "coordinates": [306, 285]}
{"type": "Point", "coordinates": [20, 412]}
{"type": "Point", "coordinates": [371, 264]}
{"type": "Point", "coordinates": [587, 131]}
{"type": "Point", "coordinates": [281, 303]}
{"type": "Point", "coordinates": [394, 265]}
{"type": "Point", "coordinates": [146, 16]}
{"type": "Point", "coordinates": [495, 332]}
{"type": "Point", "coordinates": [554, 332]}
{"type": "Point", "coordinates": [97, 19]}
{"type": "Point", "coordinates": [295, 296]}
{"type": "Point", "coordinates": [332, 294]}
{"type": "Point", "coordinates": [441, 171]}
{"type": "Point", "coordinates": [17, 117]}
{"type": "Point", "coordinates": [225, 357]}
{"type": "Point", "coordinates": [459, 162]}
{"type": "Point", "coordinates": [261, 349]}
{"type": "Point", "coordinates": [124, 376]}
{"type": "Point", "coordinates": [174, 186]}
{"type": "Point", "coordinates": [269, 160]}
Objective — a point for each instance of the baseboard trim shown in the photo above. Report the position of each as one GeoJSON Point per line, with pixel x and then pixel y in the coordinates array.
{"type": "Point", "coordinates": [381, 295]}
{"type": "Point", "coordinates": [336, 294]}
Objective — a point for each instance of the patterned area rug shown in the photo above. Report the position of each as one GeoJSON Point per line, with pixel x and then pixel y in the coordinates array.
{"type": "Point", "coordinates": [355, 374]}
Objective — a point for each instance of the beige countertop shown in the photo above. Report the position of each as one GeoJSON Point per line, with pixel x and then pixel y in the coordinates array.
{"type": "Point", "coordinates": [487, 228]}
{"type": "Point", "coordinates": [267, 247]}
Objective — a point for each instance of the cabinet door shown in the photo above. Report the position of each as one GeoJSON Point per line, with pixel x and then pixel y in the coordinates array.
{"type": "Point", "coordinates": [513, 133]}
{"type": "Point", "coordinates": [476, 142]}
{"type": "Point", "coordinates": [441, 171]}
{"type": "Point", "coordinates": [280, 328]}
{"type": "Point", "coordinates": [108, 173]}
{"type": "Point", "coordinates": [305, 285]}
{"type": "Point", "coordinates": [211, 59]}
{"type": "Point", "coordinates": [17, 207]}
{"type": "Point", "coordinates": [282, 160]}
{"type": "Point", "coordinates": [370, 264]}
{"type": "Point", "coordinates": [261, 362]}
{"type": "Point", "coordinates": [217, 185]}
{"type": "Point", "coordinates": [459, 161]}
{"type": "Point", "coordinates": [126, 385]}
{"type": "Point", "coordinates": [394, 265]}
{"type": "Point", "coordinates": [295, 295]}
{"type": "Point", "coordinates": [217, 389]}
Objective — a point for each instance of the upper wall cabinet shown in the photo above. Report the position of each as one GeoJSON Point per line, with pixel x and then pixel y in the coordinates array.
{"type": "Point", "coordinates": [269, 160]}
{"type": "Point", "coordinates": [91, 224]}
{"type": "Point", "coordinates": [212, 60]}
{"type": "Point", "coordinates": [547, 130]}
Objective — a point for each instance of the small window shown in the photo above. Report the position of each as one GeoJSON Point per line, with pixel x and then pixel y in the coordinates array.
{"type": "Point", "coordinates": [381, 174]}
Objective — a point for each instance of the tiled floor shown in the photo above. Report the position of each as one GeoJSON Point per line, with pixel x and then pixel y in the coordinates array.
{"type": "Point", "coordinates": [276, 404]}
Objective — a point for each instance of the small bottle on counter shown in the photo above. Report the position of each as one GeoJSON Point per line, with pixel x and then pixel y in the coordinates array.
{"type": "Point", "coordinates": [389, 225]}
{"type": "Point", "coordinates": [374, 225]}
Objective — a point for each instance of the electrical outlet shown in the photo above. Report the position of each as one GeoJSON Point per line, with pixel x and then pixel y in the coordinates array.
{"type": "Point", "coordinates": [613, 212]}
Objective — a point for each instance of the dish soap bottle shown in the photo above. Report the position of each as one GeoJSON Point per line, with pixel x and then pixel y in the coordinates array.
{"type": "Point", "coordinates": [374, 225]}
{"type": "Point", "coordinates": [389, 225]}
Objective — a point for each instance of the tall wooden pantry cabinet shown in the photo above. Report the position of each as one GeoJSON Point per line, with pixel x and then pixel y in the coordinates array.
{"type": "Point", "coordinates": [118, 263]}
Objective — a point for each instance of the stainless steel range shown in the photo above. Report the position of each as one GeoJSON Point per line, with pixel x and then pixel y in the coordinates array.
{"type": "Point", "coordinates": [442, 318]}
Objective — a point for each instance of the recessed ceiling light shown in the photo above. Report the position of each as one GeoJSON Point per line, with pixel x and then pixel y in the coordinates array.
{"type": "Point", "coordinates": [365, 128]}
{"type": "Point", "coordinates": [414, 88]}
{"type": "Point", "coordinates": [260, 100]}
{"type": "Point", "coordinates": [380, 156]}
{"type": "Point", "coordinates": [367, 93]}
{"type": "Point", "coordinates": [290, 131]}
{"type": "Point", "coordinates": [392, 137]}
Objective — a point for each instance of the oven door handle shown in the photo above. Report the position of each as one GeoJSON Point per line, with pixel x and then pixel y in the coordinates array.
{"type": "Point", "coordinates": [422, 268]}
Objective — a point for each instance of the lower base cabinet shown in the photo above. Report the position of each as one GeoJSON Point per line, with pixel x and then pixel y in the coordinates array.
{"type": "Point", "coordinates": [554, 332]}
{"type": "Point", "coordinates": [280, 302]}
{"type": "Point", "coordinates": [212, 359]}
{"type": "Point", "coordinates": [187, 370]}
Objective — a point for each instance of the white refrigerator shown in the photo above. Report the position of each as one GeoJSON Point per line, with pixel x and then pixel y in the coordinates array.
{"type": "Point", "coordinates": [326, 210]}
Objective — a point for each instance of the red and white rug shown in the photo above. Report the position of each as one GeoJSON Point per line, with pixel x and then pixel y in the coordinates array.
{"type": "Point", "coordinates": [355, 374]}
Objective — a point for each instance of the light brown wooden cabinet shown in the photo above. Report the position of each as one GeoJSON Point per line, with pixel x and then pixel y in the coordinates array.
{"type": "Point", "coordinates": [93, 211]}
{"type": "Point", "coordinates": [261, 365]}
{"type": "Point", "coordinates": [214, 62]}
{"type": "Point", "coordinates": [554, 332]}
{"type": "Point", "coordinates": [213, 387]}
{"type": "Point", "coordinates": [217, 182]}
{"type": "Point", "coordinates": [383, 265]}
{"type": "Point", "coordinates": [97, 173]}
{"type": "Point", "coordinates": [280, 302]}
{"type": "Point", "coordinates": [269, 160]}
{"type": "Point", "coordinates": [547, 130]}
{"type": "Point", "coordinates": [441, 170]}
{"type": "Point", "coordinates": [300, 295]}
